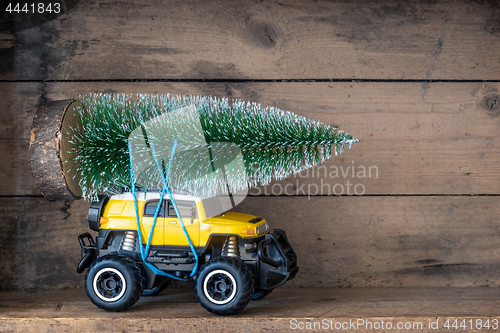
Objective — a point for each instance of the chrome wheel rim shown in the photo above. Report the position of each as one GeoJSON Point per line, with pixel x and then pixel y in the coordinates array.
{"type": "Point", "coordinates": [220, 287]}
{"type": "Point", "coordinates": [109, 284]}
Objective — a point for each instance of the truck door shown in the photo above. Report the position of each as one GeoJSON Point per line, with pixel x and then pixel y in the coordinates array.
{"type": "Point", "coordinates": [174, 235]}
{"type": "Point", "coordinates": [147, 220]}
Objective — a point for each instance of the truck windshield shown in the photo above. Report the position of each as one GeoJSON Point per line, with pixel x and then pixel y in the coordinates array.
{"type": "Point", "coordinates": [216, 205]}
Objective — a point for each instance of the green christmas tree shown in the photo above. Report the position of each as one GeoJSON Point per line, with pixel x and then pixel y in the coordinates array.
{"type": "Point", "coordinates": [274, 144]}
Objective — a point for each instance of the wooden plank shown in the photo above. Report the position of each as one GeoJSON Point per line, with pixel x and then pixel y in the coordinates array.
{"type": "Point", "coordinates": [340, 241]}
{"type": "Point", "coordinates": [322, 101]}
{"type": "Point", "coordinates": [15, 168]}
{"type": "Point", "coordinates": [19, 102]}
{"type": "Point", "coordinates": [7, 53]}
{"type": "Point", "coordinates": [179, 304]}
{"type": "Point", "coordinates": [38, 243]}
{"type": "Point", "coordinates": [302, 309]}
{"type": "Point", "coordinates": [387, 241]}
{"type": "Point", "coordinates": [422, 139]}
{"type": "Point", "coordinates": [453, 40]}
{"type": "Point", "coordinates": [439, 140]}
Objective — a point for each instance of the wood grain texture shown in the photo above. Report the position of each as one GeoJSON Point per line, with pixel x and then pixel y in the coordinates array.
{"type": "Point", "coordinates": [38, 243]}
{"type": "Point", "coordinates": [19, 102]}
{"type": "Point", "coordinates": [424, 137]}
{"type": "Point", "coordinates": [424, 309]}
{"type": "Point", "coordinates": [178, 307]}
{"type": "Point", "coordinates": [340, 241]}
{"type": "Point", "coordinates": [437, 140]}
{"type": "Point", "coordinates": [262, 40]}
{"type": "Point", "coordinates": [388, 241]}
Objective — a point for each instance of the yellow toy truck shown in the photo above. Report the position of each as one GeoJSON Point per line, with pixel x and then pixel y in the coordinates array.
{"type": "Point", "coordinates": [239, 259]}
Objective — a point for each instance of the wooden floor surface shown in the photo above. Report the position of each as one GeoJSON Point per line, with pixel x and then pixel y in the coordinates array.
{"type": "Point", "coordinates": [305, 309]}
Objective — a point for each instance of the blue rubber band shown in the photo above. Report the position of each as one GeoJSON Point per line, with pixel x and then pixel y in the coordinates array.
{"type": "Point", "coordinates": [145, 252]}
{"type": "Point", "coordinates": [165, 186]}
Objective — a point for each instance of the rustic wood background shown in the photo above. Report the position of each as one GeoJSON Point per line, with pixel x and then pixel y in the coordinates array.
{"type": "Point", "coordinates": [417, 82]}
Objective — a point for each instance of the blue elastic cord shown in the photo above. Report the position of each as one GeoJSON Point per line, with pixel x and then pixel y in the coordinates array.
{"type": "Point", "coordinates": [165, 186]}
{"type": "Point", "coordinates": [144, 253]}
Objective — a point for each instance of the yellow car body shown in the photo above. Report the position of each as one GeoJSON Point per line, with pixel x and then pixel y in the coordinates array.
{"type": "Point", "coordinates": [232, 251]}
{"type": "Point", "coordinates": [199, 216]}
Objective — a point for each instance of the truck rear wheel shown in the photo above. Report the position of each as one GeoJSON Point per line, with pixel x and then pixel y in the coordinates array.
{"type": "Point", "coordinates": [224, 286]}
{"type": "Point", "coordinates": [114, 282]}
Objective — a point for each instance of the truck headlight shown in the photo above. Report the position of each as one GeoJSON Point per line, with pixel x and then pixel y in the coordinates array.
{"type": "Point", "coordinates": [262, 228]}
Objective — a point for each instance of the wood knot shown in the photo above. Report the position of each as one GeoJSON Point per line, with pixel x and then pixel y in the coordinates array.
{"type": "Point", "coordinates": [265, 34]}
{"type": "Point", "coordinates": [491, 103]}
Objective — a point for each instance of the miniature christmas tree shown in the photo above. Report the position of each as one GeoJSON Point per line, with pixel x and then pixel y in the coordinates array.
{"type": "Point", "coordinates": [274, 144]}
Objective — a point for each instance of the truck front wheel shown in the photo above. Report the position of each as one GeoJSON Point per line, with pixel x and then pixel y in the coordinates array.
{"type": "Point", "coordinates": [224, 286]}
{"type": "Point", "coordinates": [114, 282]}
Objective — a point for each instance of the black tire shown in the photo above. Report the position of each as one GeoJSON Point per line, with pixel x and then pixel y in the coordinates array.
{"type": "Point", "coordinates": [114, 282]}
{"type": "Point", "coordinates": [260, 294]}
{"type": "Point", "coordinates": [157, 289]}
{"type": "Point", "coordinates": [224, 286]}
